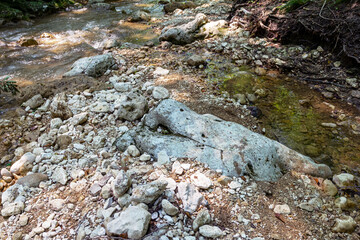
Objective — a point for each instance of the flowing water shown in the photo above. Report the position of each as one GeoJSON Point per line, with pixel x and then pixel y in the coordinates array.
{"type": "Point", "coordinates": [292, 113]}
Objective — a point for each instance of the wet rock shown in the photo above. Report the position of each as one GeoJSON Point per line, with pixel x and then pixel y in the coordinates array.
{"type": "Point", "coordinates": [212, 29]}
{"type": "Point", "coordinates": [160, 93]}
{"type": "Point", "coordinates": [184, 34]}
{"type": "Point", "coordinates": [344, 179]}
{"type": "Point", "coordinates": [201, 219]}
{"type": "Point", "coordinates": [345, 224]}
{"type": "Point", "coordinates": [23, 164]}
{"type": "Point", "coordinates": [148, 193]}
{"type": "Point", "coordinates": [139, 16]}
{"type": "Point", "coordinates": [121, 184]}
{"type": "Point", "coordinates": [134, 222]}
{"type": "Point", "coordinates": [211, 231]}
{"type": "Point", "coordinates": [201, 181]}
{"type": "Point", "coordinates": [34, 102]}
{"type": "Point", "coordinates": [255, 111]}
{"type": "Point", "coordinates": [329, 188]}
{"type": "Point", "coordinates": [32, 180]}
{"type": "Point", "coordinates": [27, 42]}
{"type": "Point", "coordinates": [190, 197]}
{"type": "Point", "coordinates": [169, 208]}
{"type": "Point", "coordinates": [94, 66]}
{"type": "Point", "coordinates": [59, 107]}
{"type": "Point", "coordinates": [132, 107]}
{"type": "Point", "coordinates": [101, 6]}
{"type": "Point", "coordinates": [12, 209]}
{"type": "Point", "coordinates": [60, 175]}
{"type": "Point", "coordinates": [170, 7]}
{"type": "Point", "coordinates": [213, 141]}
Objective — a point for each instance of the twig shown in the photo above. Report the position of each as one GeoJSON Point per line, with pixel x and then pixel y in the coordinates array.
{"type": "Point", "coordinates": [349, 55]}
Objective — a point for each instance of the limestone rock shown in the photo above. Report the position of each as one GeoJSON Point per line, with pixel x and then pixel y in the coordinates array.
{"type": "Point", "coordinates": [23, 164]}
{"type": "Point", "coordinates": [134, 222]}
{"type": "Point", "coordinates": [211, 231]}
{"type": "Point", "coordinates": [59, 107]}
{"type": "Point", "coordinates": [133, 151]}
{"type": "Point", "coordinates": [57, 204]}
{"type": "Point", "coordinates": [169, 208]}
{"type": "Point", "coordinates": [330, 188]}
{"type": "Point", "coordinates": [160, 93]}
{"type": "Point", "coordinates": [121, 184]}
{"type": "Point", "coordinates": [201, 219]}
{"type": "Point", "coordinates": [32, 180]}
{"type": "Point", "coordinates": [148, 193]}
{"type": "Point", "coordinates": [79, 118]}
{"type": "Point", "coordinates": [212, 28]}
{"type": "Point", "coordinates": [34, 102]}
{"type": "Point", "coordinates": [282, 209]}
{"type": "Point", "coordinates": [94, 66]}
{"type": "Point", "coordinates": [184, 34]}
{"type": "Point", "coordinates": [190, 197]}
{"type": "Point", "coordinates": [133, 107]}
{"type": "Point", "coordinates": [345, 224]}
{"type": "Point", "coordinates": [344, 179]}
{"type": "Point", "coordinates": [60, 175]}
{"type": "Point", "coordinates": [12, 209]}
{"type": "Point", "coordinates": [200, 180]}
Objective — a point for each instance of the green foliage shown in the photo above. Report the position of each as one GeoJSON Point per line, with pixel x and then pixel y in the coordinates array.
{"type": "Point", "coordinates": [7, 85]}
{"type": "Point", "coordinates": [293, 4]}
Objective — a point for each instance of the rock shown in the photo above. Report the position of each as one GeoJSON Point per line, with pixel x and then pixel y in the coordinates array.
{"type": "Point", "coordinates": [329, 188]}
{"type": "Point", "coordinates": [133, 107]}
{"type": "Point", "coordinates": [79, 119]}
{"type": "Point", "coordinates": [94, 66]}
{"type": "Point", "coordinates": [95, 189]}
{"type": "Point", "coordinates": [201, 219]}
{"type": "Point", "coordinates": [27, 42]}
{"type": "Point", "coordinates": [201, 181]}
{"type": "Point", "coordinates": [23, 220]}
{"type": "Point", "coordinates": [176, 168]}
{"type": "Point", "coordinates": [123, 87]}
{"type": "Point", "coordinates": [344, 204]}
{"type": "Point", "coordinates": [160, 93]}
{"type": "Point", "coordinates": [195, 61]}
{"type": "Point", "coordinates": [133, 151]}
{"type": "Point", "coordinates": [144, 157]}
{"type": "Point", "coordinates": [14, 193]}
{"type": "Point", "coordinates": [55, 123]}
{"type": "Point", "coordinates": [282, 209]}
{"type": "Point", "coordinates": [355, 93]}
{"type": "Point", "coordinates": [57, 204]}
{"type": "Point", "coordinates": [32, 180]}
{"type": "Point", "coordinates": [5, 173]}
{"type": "Point", "coordinates": [100, 107]}
{"type": "Point", "coordinates": [170, 7]}
{"type": "Point", "coordinates": [63, 141]}
{"type": "Point", "coordinates": [121, 184]}
{"type": "Point", "coordinates": [212, 29]}
{"type": "Point", "coordinates": [101, 6]}
{"type": "Point", "coordinates": [344, 179]}
{"type": "Point", "coordinates": [159, 71]}
{"type": "Point", "coordinates": [169, 208]}
{"type": "Point", "coordinates": [124, 141]}
{"type": "Point", "coordinates": [148, 193]}
{"type": "Point", "coordinates": [345, 224]}
{"type": "Point", "coordinates": [134, 222]}
{"type": "Point", "coordinates": [59, 175]}
{"type": "Point", "coordinates": [211, 231]}
{"type": "Point", "coordinates": [12, 209]}
{"type": "Point", "coordinates": [23, 164]}
{"type": "Point", "coordinates": [241, 98]}
{"type": "Point", "coordinates": [139, 16]}
{"type": "Point", "coordinates": [34, 102]}
{"type": "Point", "coordinates": [106, 191]}
{"type": "Point", "coordinates": [306, 206]}
{"type": "Point", "coordinates": [59, 107]}
{"type": "Point", "coordinates": [222, 145]}
{"type": "Point", "coordinates": [162, 158]}
{"type": "Point", "coordinates": [190, 197]}
{"type": "Point", "coordinates": [184, 34]}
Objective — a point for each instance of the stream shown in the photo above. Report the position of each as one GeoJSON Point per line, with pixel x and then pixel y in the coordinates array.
{"type": "Point", "coordinates": [293, 114]}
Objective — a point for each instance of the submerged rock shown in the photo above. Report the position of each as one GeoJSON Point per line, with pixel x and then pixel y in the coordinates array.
{"type": "Point", "coordinates": [94, 66]}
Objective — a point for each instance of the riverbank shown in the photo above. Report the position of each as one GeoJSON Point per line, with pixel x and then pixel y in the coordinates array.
{"type": "Point", "coordinates": [85, 178]}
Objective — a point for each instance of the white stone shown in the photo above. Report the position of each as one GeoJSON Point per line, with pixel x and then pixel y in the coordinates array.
{"type": "Point", "coordinates": [343, 179]}
{"type": "Point", "coordinates": [160, 93]}
{"type": "Point", "coordinates": [211, 231]}
{"type": "Point", "coordinates": [57, 204]}
{"type": "Point", "coordinates": [201, 181]}
{"type": "Point", "coordinates": [282, 209]}
{"type": "Point", "coordinates": [159, 71]}
{"type": "Point", "coordinates": [23, 164]}
{"type": "Point", "coordinates": [133, 151]}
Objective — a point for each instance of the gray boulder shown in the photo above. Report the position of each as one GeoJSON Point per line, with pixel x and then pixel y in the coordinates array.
{"type": "Point", "coordinates": [222, 145]}
{"type": "Point", "coordinates": [184, 34]}
{"type": "Point", "coordinates": [94, 66]}
{"type": "Point", "coordinates": [32, 180]}
{"type": "Point", "coordinates": [134, 222]}
{"type": "Point", "coordinates": [121, 184]}
{"type": "Point", "coordinates": [133, 106]}
{"type": "Point", "coordinates": [148, 193]}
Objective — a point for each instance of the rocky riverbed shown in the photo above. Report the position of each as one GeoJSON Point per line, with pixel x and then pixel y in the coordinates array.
{"type": "Point", "coordinates": [151, 153]}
